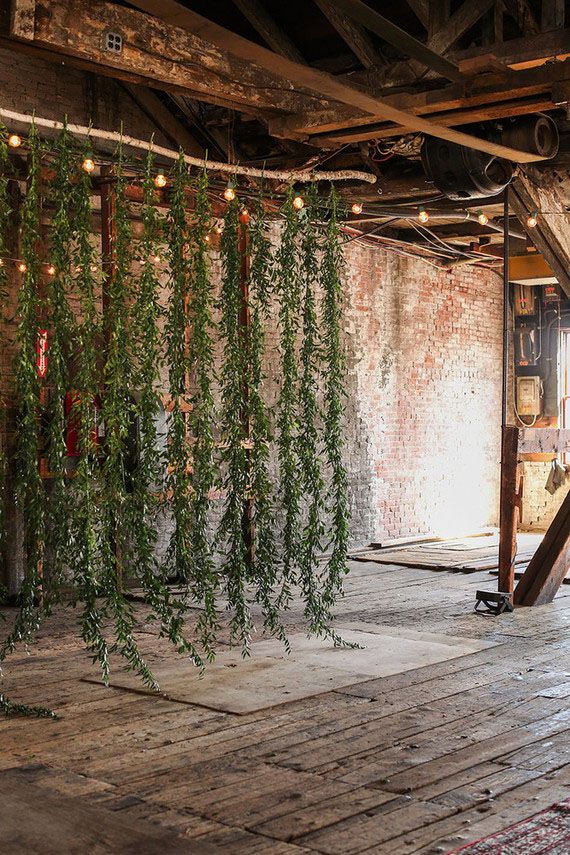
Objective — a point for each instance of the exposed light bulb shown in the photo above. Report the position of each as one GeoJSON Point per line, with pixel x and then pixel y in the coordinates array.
{"type": "Point", "coordinates": [1, 262]}
{"type": "Point", "coordinates": [356, 208]}
{"type": "Point", "coordinates": [88, 164]}
{"type": "Point", "coordinates": [22, 267]}
{"type": "Point", "coordinates": [160, 180]}
{"type": "Point", "coordinates": [207, 238]}
{"type": "Point", "coordinates": [298, 202]}
{"type": "Point", "coordinates": [218, 228]}
{"type": "Point", "coordinates": [229, 193]}
{"type": "Point", "coordinates": [51, 270]}
{"type": "Point", "coordinates": [156, 259]}
{"type": "Point", "coordinates": [482, 218]}
{"type": "Point", "coordinates": [93, 268]}
{"type": "Point", "coordinates": [423, 215]}
{"type": "Point", "coordinates": [532, 219]}
{"type": "Point", "coordinates": [14, 141]}
{"type": "Point", "coordinates": [244, 216]}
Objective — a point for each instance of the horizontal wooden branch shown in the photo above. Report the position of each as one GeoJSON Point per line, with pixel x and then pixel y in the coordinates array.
{"type": "Point", "coordinates": [302, 175]}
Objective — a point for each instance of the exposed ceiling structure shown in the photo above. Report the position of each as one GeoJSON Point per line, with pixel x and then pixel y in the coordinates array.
{"type": "Point", "coordinates": [344, 83]}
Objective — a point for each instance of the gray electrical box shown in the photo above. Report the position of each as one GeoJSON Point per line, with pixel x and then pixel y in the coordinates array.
{"type": "Point", "coordinates": [528, 396]}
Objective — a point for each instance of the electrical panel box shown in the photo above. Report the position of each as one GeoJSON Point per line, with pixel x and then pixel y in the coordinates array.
{"type": "Point", "coordinates": [525, 300]}
{"type": "Point", "coordinates": [526, 345]}
{"type": "Point", "coordinates": [528, 396]}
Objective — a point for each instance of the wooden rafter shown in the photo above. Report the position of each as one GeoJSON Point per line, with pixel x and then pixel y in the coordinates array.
{"type": "Point", "coordinates": [174, 13]}
{"type": "Point", "coordinates": [486, 90]}
{"type": "Point", "coordinates": [377, 23]}
{"type": "Point", "coordinates": [268, 29]}
{"type": "Point", "coordinates": [352, 33]}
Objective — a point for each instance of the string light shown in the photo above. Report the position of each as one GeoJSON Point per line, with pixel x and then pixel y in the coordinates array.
{"type": "Point", "coordinates": [218, 228]}
{"type": "Point", "coordinates": [51, 270]}
{"type": "Point", "coordinates": [1, 262]}
{"type": "Point", "coordinates": [482, 218]}
{"type": "Point", "coordinates": [93, 268]}
{"type": "Point", "coordinates": [160, 180]}
{"type": "Point", "coordinates": [244, 216]}
{"type": "Point", "coordinates": [532, 219]}
{"type": "Point", "coordinates": [229, 192]}
{"type": "Point", "coordinates": [298, 202]}
{"type": "Point", "coordinates": [207, 238]}
{"type": "Point", "coordinates": [423, 215]}
{"type": "Point", "coordinates": [22, 267]}
{"type": "Point", "coordinates": [14, 141]}
{"type": "Point", "coordinates": [88, 164]}
{"type": "Point", "coordinates": [156, 259]}
{"type": "Point", "coordinates": [356, 208]}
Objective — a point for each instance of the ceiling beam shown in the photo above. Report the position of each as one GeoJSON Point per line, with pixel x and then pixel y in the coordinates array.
{"type": "Point", "coordinates": [174, 13]}
{"type": "Point", "coordinates": [486, 90]}
{"type": "Point", "coordinates": [266, 26]}
{"type": "Point", "coordinates": [155, 55]}
{"type": "Point", "coordinates": [352, 33]}
{"type": "Point", "coordinates": [462, 20]}
{"type": "Point", "coordinates": [394, 35]}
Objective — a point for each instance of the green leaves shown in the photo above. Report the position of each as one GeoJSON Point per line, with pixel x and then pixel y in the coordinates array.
{"type": "Point", "coordinates": [246, 353]}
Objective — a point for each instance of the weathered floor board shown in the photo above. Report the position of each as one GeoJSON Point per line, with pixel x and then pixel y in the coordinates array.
{"type": "Point", "coordinates": [418, 762]}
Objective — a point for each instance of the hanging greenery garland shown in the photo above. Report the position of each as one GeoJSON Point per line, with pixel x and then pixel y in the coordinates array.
{"type": "Point", "coordinates": [4, 215]}
{"type": "Point", "coordinates": [87, 532]}
{"type": "Point", "coordinates": [29, 488]}
{"type": "Point", "coordinates": [261, 486]}
{"type": "Point", "coordinates": [60, 325]}
{"type": "Point", "coordinates": [313, 487]}
{"type": "Point", "coordinates": [117, 414]}
{"type": "Point", "coordinates": [147, 479]}
{"type": "Point", "coordinates": [201, 420]}
{"type": "Point", "coordinates": [334, 369]}
{"type": "Point", "coordinates": [179, 456]}
{"type": "Point", "coordinates": [288, 292]}
{"type": "Point", "coordinates": [234, 481]}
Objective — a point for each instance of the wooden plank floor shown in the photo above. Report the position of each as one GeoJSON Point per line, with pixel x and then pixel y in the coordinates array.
{"type": "Point", "coordinates": [414, 763]}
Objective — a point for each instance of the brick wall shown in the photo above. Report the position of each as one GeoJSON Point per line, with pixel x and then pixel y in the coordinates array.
{"type": "Point", "coordinates": [425, 381]}
{"type": "Point", "coordinates": [539, 507]}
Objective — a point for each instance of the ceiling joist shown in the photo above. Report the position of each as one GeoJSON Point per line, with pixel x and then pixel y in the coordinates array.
{"type": "Point", "coordinates": [327, 86]}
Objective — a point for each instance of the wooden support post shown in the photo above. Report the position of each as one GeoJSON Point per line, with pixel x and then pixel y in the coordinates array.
{"type": "Point", "coordinates": [509, 508]}
{"type": "Point", "coordinates": [549, 564]}
{"type": "Point", "coordinates": [245, 322]}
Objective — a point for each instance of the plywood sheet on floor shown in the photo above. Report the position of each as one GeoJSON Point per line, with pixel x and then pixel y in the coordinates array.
{"type": "Point", "coordinates": [314, 666]}
{"type": "Point", "coordinates": [463, 555]}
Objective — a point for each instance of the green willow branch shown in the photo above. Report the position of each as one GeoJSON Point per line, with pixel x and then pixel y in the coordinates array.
{"type": "Point", "coordinates": [234, 477]}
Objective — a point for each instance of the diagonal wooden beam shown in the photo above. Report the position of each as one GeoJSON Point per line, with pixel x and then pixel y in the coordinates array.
{"type": "Point", "coordinates": [551, 235]}
{"type": "Point", "coordinates": [174, 13]}
{"type": "Point", "coordinates": [268, 29]}
{"type": "Point", "coordinates": [394, 35]}
{"type": "Point", "coordinates": [550, 563]}
{"type": "Point", "coordinates": [352, 33]}
{"type": "Point", "coordinates": [462, 20]}
{"type": "Point", "coordinates": [553, 14]}
{"type": "Point", "coordinates": [157, 112]}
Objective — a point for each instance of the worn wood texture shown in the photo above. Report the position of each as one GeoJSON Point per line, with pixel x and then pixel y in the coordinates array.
{"type": "Point", "coordinates": [549, 565]}
{"type": "Point", "coordinates": [542, 192]}
{"type": "Point", "coordinates": [319, 82]}
{"type": "Point", "coordinates": [416, 762]}
{"type": "Point", "coordinates": [510, 507]}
